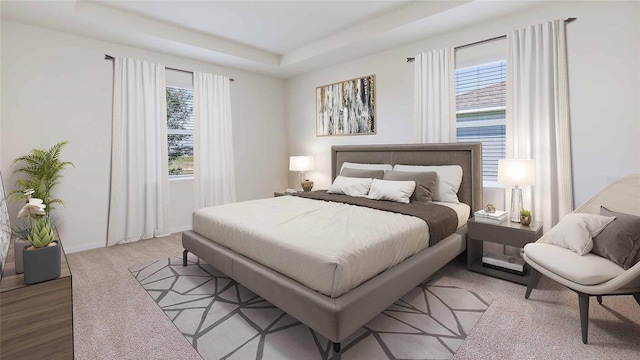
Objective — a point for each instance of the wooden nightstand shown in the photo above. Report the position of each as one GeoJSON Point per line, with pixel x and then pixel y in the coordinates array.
{"type": "Point", "coordinates": [505, 233]}
{"type": "Point", "coordinates": [43, 308]}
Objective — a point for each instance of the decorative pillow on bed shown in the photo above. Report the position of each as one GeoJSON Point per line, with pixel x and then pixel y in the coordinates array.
{"type": "Point", "coordinates": [576, 230]}
{"type": "Point", "coordinates": [620, 240]}
{"type": "Point", "coordinates": [360, 173]}
{"type": "Point", "coordinates": [350, 186]}
{"type": "Point", "coordinates": [449, 180]}
{"type": "Point", "coordinates": [398, 191]}
{"type": "Point", "coordinates": [351, 165]}
{"type": "Point", "coordinates": [425, 183]}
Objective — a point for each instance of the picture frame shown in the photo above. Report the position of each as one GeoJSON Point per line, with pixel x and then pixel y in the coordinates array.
{"type": "Point", "coordinates": [5, 228]}
{"type": "Point", "coordinates": [347, 107]}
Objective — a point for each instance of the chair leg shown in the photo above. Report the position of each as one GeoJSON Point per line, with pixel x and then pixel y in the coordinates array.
{"type": "Point", "coordinates": [184, 257]}
{"type": "Point", "coordinates": [583, 300]}
{"type": "Point", "coordinates": [533, 282]}
{"type": "Point", "coordinates": [637, 297]}
{"type": "Point", "coordinates": [599, 297]}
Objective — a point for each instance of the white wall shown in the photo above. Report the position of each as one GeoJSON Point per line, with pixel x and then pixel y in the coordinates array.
{"type": "Point", "coordinates": [604, 70]}
{"type": "Point", "coordinates": [57, 86]}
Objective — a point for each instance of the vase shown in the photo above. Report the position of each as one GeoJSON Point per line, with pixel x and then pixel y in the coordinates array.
{"type": "Point", "coordinates": [525, 220]}
{"type": "Point", "coordinates": [307, 185]}
{"type": "Point", "coordinates": [18, 247]}
{"type": "Point", "coordinates": [41, 264]}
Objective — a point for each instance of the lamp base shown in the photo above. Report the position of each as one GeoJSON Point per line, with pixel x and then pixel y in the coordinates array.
{"type": "Point", "coordinates": [516, 204]}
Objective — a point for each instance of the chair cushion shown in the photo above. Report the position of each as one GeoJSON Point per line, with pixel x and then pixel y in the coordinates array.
{"type": "Point", "coordinates": [588, 269]}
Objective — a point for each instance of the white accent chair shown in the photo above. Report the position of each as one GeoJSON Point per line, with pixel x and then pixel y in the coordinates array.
{"type": "Point", "coordinates": [590, 275]}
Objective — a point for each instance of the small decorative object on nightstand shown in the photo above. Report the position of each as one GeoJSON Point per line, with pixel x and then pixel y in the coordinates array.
{"type": "Point", "coordinates": [307, 185]}
{"type": "Point", "coordinates": [302, 164]}
{"type": "Point", "coordinates": [516, 173]}
{"type": "Point", "coordinates": [525, 217]}
{"type": "Point", "coordinates": [505, 233]}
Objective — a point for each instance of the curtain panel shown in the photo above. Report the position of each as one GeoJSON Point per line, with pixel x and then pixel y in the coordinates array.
{"type": "Point", "coordinates": [213, 141]}
{"type": "Point", "coordinates": [538, 117]}
{"type": "Point", "coordinates": [139, 168]}
{"type": "Point", "coordinates": [434, 99]}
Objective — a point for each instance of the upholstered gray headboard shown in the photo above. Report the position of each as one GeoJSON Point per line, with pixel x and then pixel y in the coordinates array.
{"type": "Point", "coordinates": [467, 155]}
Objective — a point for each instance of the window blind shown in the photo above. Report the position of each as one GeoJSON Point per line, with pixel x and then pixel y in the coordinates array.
{"type": "Point", "coordinates": [480, 112]}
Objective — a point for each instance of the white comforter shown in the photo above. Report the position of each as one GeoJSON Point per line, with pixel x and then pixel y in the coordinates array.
{"type": "Point", "coordinates": [329, 247]}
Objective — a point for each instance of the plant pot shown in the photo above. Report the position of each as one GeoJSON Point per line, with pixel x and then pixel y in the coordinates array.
{"type": "Point", "coordinates": [18, 248]}
{"type": "Point", "coordinates": [41, 264]}
{"type": "Point", "coordinates": [525, 220]}
{"type": "Point", "coordinates": [307, 185]}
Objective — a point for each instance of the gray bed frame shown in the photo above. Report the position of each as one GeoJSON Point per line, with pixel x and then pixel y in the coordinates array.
{"type": "Point", "coordinates": [337, 318]}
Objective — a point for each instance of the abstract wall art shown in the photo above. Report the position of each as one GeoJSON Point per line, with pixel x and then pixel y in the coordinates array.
{"type": "Point", "coordinates": [5, 228]}
{"type": "Point", "coordinates": [347, 107]}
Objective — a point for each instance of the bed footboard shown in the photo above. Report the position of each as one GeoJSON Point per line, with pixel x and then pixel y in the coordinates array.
{"type": "Point", "coordinates": [334, 318]}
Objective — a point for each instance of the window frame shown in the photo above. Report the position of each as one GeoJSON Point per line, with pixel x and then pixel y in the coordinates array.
{"type": "Point", "coordinates": [173, 177]}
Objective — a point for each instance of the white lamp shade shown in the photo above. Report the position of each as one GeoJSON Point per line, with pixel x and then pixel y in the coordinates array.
{"type": "Point", "coordinates": [300, 163]}
{"type": "Point", "coordinates": [516, 172]}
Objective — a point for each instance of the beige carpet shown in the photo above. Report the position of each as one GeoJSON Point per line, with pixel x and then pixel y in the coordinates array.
{"type": "Point", "coordinates": [225, 320]}
{"type": "Point", "coordinates": [114, 318]}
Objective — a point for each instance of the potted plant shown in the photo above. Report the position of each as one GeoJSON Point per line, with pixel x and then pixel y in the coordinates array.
{"type": "Point", "coordinates": [34, 208]}
{"type": "Point", "coordinates": [525, 217]}
{"type": "Point", "coordinates": [42, 258]}
{"type": "Point", "coordinates": [41, 171]}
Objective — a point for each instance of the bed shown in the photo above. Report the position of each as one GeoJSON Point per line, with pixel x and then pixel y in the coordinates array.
{"type": "Point", "coordinates": [336, 310]}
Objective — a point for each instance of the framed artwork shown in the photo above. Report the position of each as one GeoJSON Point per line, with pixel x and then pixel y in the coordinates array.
{"type": "Point", "coordinates": [5, 228]}
{"type": "Point", "coordinates": [347, 107]}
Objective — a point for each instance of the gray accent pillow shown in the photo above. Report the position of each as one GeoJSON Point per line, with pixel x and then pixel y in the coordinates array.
{"type": "Point", "coordinates": [620, 240]}
{"type": "Point", "coordinates": [360, 173]}
{"type": "Point", "coordinates": [425, 183]}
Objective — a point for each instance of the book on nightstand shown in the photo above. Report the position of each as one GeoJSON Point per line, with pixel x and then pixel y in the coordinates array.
{"type": "Point", "coordinates": [496, 217]}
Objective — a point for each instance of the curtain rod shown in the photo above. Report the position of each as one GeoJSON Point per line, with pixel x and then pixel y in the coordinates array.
{"type": "Point", "coordinates": [109, 57]}
{"type": "Point", "coordinates": [412, 59]}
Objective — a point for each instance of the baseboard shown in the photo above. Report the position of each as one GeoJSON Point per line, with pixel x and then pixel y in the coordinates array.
{"type": "Point", "coordinates": [97, 245]}
{"type": "Point", "coordinates": [85, 247]}
{"type": "Point", "coordinates": [180, 229]}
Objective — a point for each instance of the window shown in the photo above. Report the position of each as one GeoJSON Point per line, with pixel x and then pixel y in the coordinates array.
{"type": "Point", "coordinates": [480, 112]}
{"type": "Point", "coordinates": [180, 131]}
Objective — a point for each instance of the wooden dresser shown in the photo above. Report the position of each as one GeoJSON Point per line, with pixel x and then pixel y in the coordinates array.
{"type": "Point", "coordinates": [36, 321]}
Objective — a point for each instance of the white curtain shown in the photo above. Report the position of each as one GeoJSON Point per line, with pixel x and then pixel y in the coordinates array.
{"type": "Point", "coordinates": [434, 99]}
{"type": "Point", "coordinates": [213, 141]}
{"type": "Point", "coordinates": [139, 169]}
{"type": "Point", "coordinates": [538, 117]}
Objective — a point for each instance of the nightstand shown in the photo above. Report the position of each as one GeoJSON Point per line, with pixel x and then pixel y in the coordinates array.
{"type": "Point", "coordinates": [281, 193]}
{"type": "Point", "coordinates": [505, 233]}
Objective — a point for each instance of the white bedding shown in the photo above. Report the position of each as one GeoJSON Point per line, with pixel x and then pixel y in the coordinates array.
{"type": "Point", "coordinates": [329, 247]}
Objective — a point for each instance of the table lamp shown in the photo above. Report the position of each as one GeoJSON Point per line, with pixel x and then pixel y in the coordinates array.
{"type": "Point", "coordinates": [516, 172]}
{"type": "Point", "coordinates": [302, 164]}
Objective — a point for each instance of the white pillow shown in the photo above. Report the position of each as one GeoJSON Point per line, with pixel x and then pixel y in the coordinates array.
{"type": "Point", "coordinates": [365, 166]}
{"type": "Point", "coordinates": [398, 191]}
{"type": "Point", "coordinates": [576, 231]}
{"type": "Point", "coordinates": [350, 186]}
{"type": "Point", "coordinates": [449, 180]}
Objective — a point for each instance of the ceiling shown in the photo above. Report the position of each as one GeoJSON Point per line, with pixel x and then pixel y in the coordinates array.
{"type": "Point", "coordinates": [278, 38]}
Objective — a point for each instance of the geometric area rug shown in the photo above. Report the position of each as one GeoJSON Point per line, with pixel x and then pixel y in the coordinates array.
{"type": "Point", "coordinates": [224, 320]}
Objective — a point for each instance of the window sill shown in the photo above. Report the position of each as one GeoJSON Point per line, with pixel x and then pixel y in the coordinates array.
{"type": "Point", "coordinates": [180, 177]}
